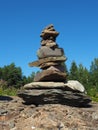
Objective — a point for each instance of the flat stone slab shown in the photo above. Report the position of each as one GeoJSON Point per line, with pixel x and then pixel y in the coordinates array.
{"type": "Point", "coordinates": [47, 33]}
{"type": "Point", "coordinates": [46, 65]}
{"type": "Point", "coordinates": [71, 84]}
{"type": "Point", "coordinates": [54, 96]}
{"type": "Point", "coordinates": [50, 75]}
{"type": "Point", "coordinates": [69, 93]}
{"type": "Point", "coordinates": [45, 60]}
{"type": "Point", "coordinates": [45, 51]}
{"type": "Point", "coordinates": [44, 85]}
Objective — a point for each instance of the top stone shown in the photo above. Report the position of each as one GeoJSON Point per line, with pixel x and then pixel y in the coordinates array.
{"type": "Point", "coordinates": [49, 32]}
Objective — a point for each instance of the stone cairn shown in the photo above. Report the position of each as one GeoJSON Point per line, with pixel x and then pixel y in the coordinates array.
{"type": "Point", "coordinates": [51, 58]}
{"type": "Point", "coordinates": [50, 85]}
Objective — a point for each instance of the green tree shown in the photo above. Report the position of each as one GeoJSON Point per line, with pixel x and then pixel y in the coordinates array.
{"type": "Point", "coordinates": [12, 74]}
{"type": "Point", "coordinates": [0, 72]}
{"type": "Point", "coordinates": [94, 73]}
{"type": "Point", "coordinates": [83, 76]}
{"type": "Point", "coordinates": [29, 78]}
{"type": "Point", "coordinates": [73, 72]}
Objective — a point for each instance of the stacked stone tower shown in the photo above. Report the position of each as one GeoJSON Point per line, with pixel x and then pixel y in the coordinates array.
{"type": "Point", "coordinates": [51, 58]}
{"type": "Point", "coordinates": [50, 86]}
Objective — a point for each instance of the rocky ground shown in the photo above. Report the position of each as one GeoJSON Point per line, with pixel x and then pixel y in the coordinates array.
{"type": "Point", "coordinates": [15, 115]}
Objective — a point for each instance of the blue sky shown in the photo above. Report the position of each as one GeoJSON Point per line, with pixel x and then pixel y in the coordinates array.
{"type": "Point", "coordinates": [21, 22]}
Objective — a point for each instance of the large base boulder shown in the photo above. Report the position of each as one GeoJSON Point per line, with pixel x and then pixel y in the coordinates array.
{"type": "Point", "coordinates": [40, 93]}
{"type": "Point", "coordinates": [54, 96]}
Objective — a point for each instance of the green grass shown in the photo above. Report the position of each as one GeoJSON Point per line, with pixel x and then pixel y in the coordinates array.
{"type": "Point", "coordinates": [93, 93]}
{"type": "Point", "coordinates": [8, 91]}
{"type": "Point", "coordinates": [95, 99]}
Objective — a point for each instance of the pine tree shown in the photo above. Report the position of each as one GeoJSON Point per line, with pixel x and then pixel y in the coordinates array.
{"type": "Point", "coordinates": [12, 74]}
{"type": "Point", "coordinates": [94, 73]}
{"type": "Point", "coordinates": [83, 76]}
{"type": "Point", "coordinates": [73, 72]}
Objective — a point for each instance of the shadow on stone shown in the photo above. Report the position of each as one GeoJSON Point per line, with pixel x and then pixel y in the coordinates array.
{"type": "Point", "coordinates": [55, 96]}
{"type": "Point", "coordinates": [5, 98]}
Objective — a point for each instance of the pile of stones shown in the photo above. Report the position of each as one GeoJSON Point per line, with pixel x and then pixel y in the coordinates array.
{"type": "Point", "coordinates": [51, 58]}
{"type": "Point", "coordinates": [51, 85]}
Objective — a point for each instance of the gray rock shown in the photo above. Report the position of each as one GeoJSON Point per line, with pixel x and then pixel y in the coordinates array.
{"type": "Point", "coordinates": [48, 42]}
{"type": "Point", "coordinates": [49, 59]}
{"type": "Point", "coordinates": [49, 31]}
{"type": "Point", "coordinates": [12, 124]}
{"type": "Point", "coordinates": [39, 85]}
{"type": "Point", "coordinates": [54, 96]}
{"type": "Point", "coordinates": [45, 52]}
{"type": "Point", "coordinates": [3, 112]}
{"type": "Point", "coordinates": [51, 45]}
{"type": "Point", "coordinates": [40, 93]}
{"type": "Point", "coordinates": [46, 65]}
{"type": "Point", "coordinates": [59, 68]}
{"type": "Point", "coordinates": [95, 115]}
{"type": "Point", "coordinates": [75, 85]}
{"type": "Point", "coordinates": [50, 75]}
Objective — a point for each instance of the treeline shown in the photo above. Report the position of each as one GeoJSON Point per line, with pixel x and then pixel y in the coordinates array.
{"type": "Point", "coordinates": [12, 77]}
{"type": "Point", "coordinates": [89, 78]}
